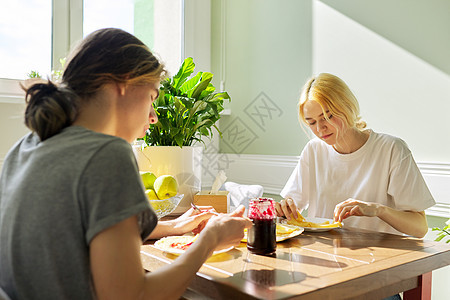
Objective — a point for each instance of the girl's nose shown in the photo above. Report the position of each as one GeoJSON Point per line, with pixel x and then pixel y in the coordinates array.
{"type": "Point", "coordinates": [153, 118]}
{"type": "Point", "coordinates": [320, 126]}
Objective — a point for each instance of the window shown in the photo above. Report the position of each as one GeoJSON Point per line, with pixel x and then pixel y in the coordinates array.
{"type": "Point", "coordinates": [36, 34]}
{"type": "Point", "coordinates": [167, 31]}
{"type": "Point", "coordinates": [157, 23]}
{"type": "Point", "coordinates": [108, 13]}
{"type": "Point", "coordinates": [25, 38]}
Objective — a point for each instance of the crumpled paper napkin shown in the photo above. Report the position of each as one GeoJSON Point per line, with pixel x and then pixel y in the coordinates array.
{"type": "Point", "coordinates": [241, 193]}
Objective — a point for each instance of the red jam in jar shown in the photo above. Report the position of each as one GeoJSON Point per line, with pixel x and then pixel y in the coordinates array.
{"type": "Point", "coordinates": [261, 237]}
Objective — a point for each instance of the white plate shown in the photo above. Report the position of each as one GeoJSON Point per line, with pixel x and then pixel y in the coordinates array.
{"type": "Point", "coordinates": [164, 244]}
{"type": "Point", "coordinates": [315, 220]}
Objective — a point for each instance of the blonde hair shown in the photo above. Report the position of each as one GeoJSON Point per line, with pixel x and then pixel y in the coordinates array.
{"type": "Point", "coordinates": [333, 94]}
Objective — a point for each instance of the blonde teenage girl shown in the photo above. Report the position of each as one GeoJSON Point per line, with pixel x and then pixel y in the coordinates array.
{"type": "Point", "coordinates": [350, 173]}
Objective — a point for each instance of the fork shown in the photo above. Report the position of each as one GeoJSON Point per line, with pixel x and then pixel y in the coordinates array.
{"type": "Point", "coordinates": [200, 211]}
{"type": "Point", "coordinates": [196, 207]}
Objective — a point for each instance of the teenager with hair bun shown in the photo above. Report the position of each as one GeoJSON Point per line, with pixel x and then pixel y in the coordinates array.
{"type": "Point", "coordinates": [73, 209]}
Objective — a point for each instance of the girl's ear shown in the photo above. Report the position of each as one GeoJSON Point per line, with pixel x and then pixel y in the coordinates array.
{"type": "Point", "coordinates": [121, 88]}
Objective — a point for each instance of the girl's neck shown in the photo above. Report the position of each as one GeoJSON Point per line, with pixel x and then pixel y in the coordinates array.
{"type": "Point", "coordinates": [351, 140]}
{"type": "Point", "coordinates": [98, 113]}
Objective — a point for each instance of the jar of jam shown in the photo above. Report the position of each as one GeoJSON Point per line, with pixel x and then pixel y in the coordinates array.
{"type": "Point", "coordinates": [261, 237]}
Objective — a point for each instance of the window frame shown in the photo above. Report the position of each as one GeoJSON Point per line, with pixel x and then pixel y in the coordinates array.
{"type": "Point", "coordinates": [67, 30]}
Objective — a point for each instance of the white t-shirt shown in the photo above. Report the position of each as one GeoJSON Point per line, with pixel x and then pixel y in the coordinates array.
{"type": "Point", "coordinates": [383, 171]}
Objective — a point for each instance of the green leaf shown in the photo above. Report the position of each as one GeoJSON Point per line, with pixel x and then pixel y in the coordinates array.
{"type": "Point", "coordinates": [198, 106]}
{"type": "Point", "coordinates": [217, 97]}
{"type": "Point", "coordinates": [201, 124]}
{"type": "Point", "coordinates": [164, 124]}
{"type": "Point", "coordinates": [191, 83]}
{"type": "Point", "coordinates": [206, 79]}
{"type": "Point", "coordinates": [197, 140]}
{"type": "Point", "coordinates": [34, 74]}
{"type": "Point", "coordinates": [184, 72]}
{"type": "Point", "coordinates": [220, 132]}
{"type": "Point", "coordinates": [440, 237]}
{"type": "Point", "coordinates": [209, 90]}
{"type": "Point", "coordinates": [203, 131]}
{"type": "Point", "coordinates": [160, 101]}
{"type": "Point", "coordinates": [178, 106]}
{"type": "Point", "coordinates": [187, 102]}
{"type": "Point", "coordinates": [215, 111]}
{"type": "Point", "coordinates": [179, 138]}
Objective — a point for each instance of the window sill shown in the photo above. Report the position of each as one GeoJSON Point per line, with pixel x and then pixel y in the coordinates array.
{"type": "Point", "coordinates": [11, 92]}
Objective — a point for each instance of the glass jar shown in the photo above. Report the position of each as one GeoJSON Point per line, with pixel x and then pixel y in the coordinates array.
{"type": "Point", "coordinates": [261, 237]}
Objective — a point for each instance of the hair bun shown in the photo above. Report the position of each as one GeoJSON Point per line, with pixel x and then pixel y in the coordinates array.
{"type": "Point", "coordinates": [49, 108]}
{"type": "Point", "coordinates": [49, 88]}
{"type": "Point", "coordinates": [41, 90]}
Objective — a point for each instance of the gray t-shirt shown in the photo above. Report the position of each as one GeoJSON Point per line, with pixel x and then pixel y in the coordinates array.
{"type": "Point", "coordinates": [55, 196]}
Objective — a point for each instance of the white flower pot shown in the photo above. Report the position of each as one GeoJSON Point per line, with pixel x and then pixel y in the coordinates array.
{"type": "Point", "coordinates": [185, 164]}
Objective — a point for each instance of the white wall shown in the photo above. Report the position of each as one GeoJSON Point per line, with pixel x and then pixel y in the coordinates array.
{"type": "Point", "coordinates": [393, 54]}
{"type": "Point", "coordinates": [399, 92]}
{"type": "Point", "coordinates": [12, 107]}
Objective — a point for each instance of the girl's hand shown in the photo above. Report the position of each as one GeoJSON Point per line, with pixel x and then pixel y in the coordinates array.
{"type": "Point", "coordinates": [193, 220]}
{"type": "Point", "coordinates": [353, 207]}
{"type": "Point", "coordinates": [227, 229]}
{"type": "Point", "coordinates": [286, 208]}
{"type": "Point", "coordinates": [202, 225]}
{"type": "Point", "coordinates": [193, 212]}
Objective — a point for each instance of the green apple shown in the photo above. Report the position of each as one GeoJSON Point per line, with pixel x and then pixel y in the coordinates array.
{"type": "Point", "coordinates": [148, 178]}
{"type": "Point", "coordinates": [159, 206]}
{"type": "Point", "coordinates": [151, 195]}
{"type": "Point", "coordinates": [165, 186]}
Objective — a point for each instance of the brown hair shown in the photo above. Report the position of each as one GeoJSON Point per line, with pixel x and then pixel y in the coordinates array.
{"type": "Point", "coordinates": [105, 56]}
{"type": "Point", "coordinates": [333, 93]}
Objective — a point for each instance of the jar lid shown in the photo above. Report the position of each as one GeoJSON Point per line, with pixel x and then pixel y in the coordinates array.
{"type": "Point", "coordinates": [262, 208]}
{"type": "Point", "coordinates": [261, 199]}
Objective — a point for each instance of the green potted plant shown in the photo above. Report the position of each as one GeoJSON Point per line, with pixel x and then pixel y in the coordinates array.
{"type": "Point", "coordinates": [443, 232]}
{"type": "Point", "coordinates": [188, 108]}
{"type": "Point", "coordinates": [55, 75]}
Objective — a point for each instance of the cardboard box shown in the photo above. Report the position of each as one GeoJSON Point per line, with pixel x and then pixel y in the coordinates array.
{"type": "Point", "coordinates": [220, 201]}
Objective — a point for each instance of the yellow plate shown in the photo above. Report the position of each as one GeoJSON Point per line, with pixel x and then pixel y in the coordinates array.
{"type": "Point", "coordinates": [284, 232]}
{"type": "Point", "coordinates": [319, 224]}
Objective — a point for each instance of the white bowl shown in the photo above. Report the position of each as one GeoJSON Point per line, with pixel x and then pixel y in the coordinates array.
{"type": "Point", "coordinates": [165, 206]}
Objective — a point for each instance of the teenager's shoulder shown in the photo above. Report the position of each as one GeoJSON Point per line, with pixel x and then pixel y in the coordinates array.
{"type": "Point", "coordinates": [388, 139]}
{"type": "Point", "coordinates": [315, 143]}
{"type": "Point", "coordinates": [86, 136]}
{"type": "Point", "coordinates": [316, 146]}
{"type": "Point", "coordinates": [82, 143]}
{"type": "Point", "coordinates": [384, 140]}
{"type": "Point", "coordinates": [311, 144]}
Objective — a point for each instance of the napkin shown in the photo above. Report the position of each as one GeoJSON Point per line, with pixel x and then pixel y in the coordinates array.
{"type": "Point", "coordinates": [218, 182]}
{"type": "Point", "coordinates": [241, 194]}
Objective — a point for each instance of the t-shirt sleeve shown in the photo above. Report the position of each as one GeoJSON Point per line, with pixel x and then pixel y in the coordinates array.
{"type": "Point", "coordinates": [406, 184]}
{"type": "Point", "coordinates": [295, 186]}
{"type": "Point", "coordinates": [292, 188]}
{"type": "Point", "coordinates": [111, 191]}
